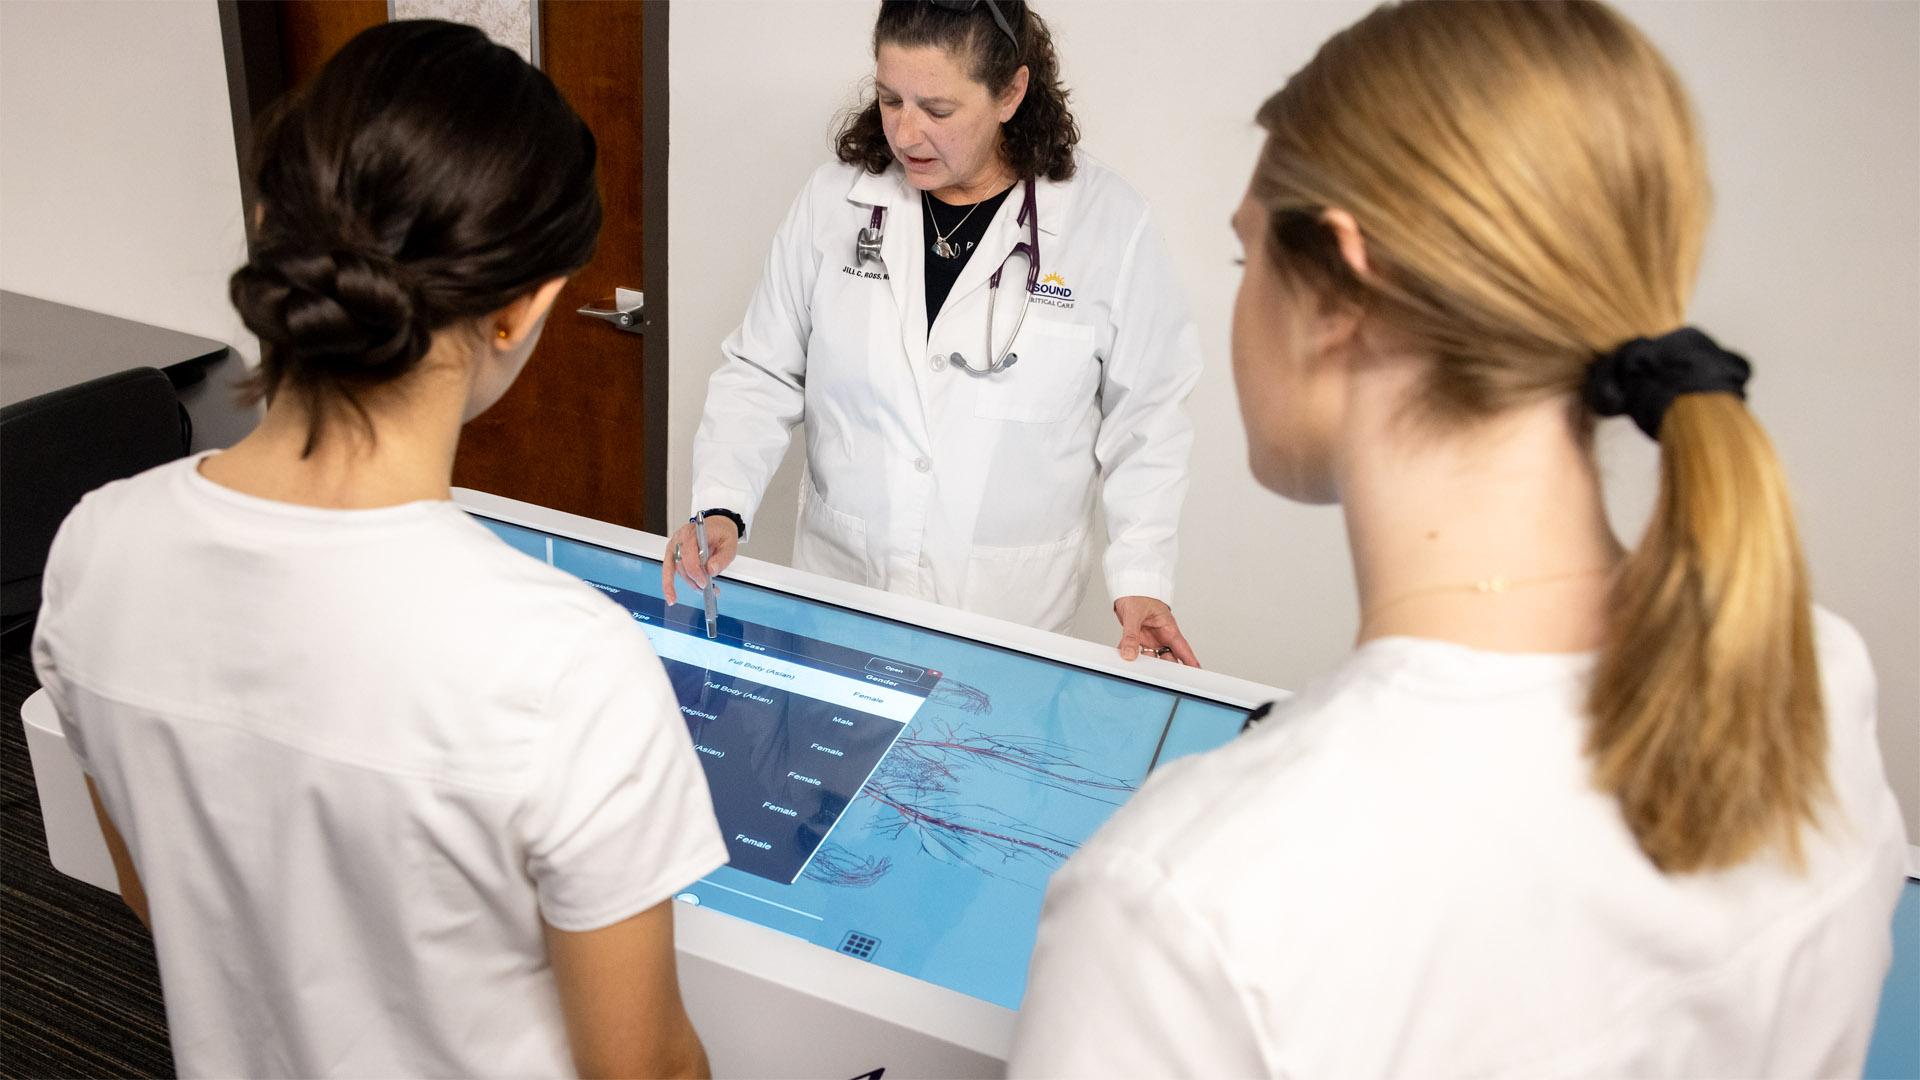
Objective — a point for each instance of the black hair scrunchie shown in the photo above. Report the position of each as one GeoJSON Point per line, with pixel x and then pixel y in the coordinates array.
{"type": "Point", "coordinates": [1642, 377]}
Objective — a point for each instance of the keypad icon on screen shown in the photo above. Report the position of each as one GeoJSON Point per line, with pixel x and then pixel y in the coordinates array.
{"type": "Point", "coordinates": [859, 945]}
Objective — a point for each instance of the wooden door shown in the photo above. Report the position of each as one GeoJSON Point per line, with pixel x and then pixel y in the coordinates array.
{"type": "Point", "coordinates": [584, 428]}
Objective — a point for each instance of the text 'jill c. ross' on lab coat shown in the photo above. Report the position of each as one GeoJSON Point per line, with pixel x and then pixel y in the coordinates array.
{"type": "Point", "coordinates": [974, 492]}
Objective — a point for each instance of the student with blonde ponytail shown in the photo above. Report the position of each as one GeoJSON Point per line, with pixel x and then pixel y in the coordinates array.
{"type": "Point", "coordinates": [1568, 809]}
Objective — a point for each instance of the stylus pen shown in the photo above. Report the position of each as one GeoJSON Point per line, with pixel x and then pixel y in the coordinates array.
{"type": "Point", "coordinates": [711, 594]}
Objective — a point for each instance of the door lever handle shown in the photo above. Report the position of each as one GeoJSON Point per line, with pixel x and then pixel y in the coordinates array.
{"type": "Point", "coordinates": [627, 310]}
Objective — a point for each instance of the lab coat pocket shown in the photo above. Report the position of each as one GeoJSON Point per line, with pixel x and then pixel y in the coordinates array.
{"type": "Point", "coordinates": [1054, 379]}
{"type": "Point", "coordinates": [828, 541]}
{"type": "Point", "coordinates": [1039, 585]}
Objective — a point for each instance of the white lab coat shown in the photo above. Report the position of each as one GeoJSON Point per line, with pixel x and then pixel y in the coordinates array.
{"type": "Point", "coordinates": [975, 492]}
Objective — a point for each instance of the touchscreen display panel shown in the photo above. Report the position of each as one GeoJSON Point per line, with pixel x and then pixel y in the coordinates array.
{"type": "Point", "coordinates": [891, 792]}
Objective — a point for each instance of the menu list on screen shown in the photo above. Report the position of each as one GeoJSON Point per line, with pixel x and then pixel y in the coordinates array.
{"type": "Point", "coordinates": [788, 728]}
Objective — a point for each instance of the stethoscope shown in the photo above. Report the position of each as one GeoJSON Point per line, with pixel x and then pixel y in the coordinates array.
{"type": "Point", "coordinates": [867, 246]}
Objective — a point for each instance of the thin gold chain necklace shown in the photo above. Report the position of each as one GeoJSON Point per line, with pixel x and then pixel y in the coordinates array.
{"type": "Point", "coordinates": [1484, 586]}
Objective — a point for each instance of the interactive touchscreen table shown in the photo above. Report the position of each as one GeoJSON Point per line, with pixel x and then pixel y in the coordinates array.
{"type": "Point", "coordinates": [895, 781]}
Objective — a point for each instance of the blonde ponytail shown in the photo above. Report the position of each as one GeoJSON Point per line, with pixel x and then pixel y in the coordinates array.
{"type": "Point", "coordinates": [1706, 708]}
{"type": "Point", "coordinates": [1533, 193]}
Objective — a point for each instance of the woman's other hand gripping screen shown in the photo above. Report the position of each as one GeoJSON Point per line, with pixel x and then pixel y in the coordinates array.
{"type": "Point", "coordinates": [1567, 809]}
{"type": "Point", "coordinates": [399, 800]}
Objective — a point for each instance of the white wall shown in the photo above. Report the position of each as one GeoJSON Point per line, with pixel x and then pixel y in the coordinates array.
{"type": "Point", "coordinates": [755, 87]}
{"type": "Point", "coordinates": [118, 186]}
{"type": "Point", "coordinates": [1813, 131]}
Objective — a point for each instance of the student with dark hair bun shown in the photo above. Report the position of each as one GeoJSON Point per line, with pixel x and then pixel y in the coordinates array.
{"type": "Point", "coordinates": [394, 798]}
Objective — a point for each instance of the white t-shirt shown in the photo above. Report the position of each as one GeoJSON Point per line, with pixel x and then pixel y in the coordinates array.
{"type": "Point", "coordinates": [1407, 870]}
{"type": "Point", "coordinates": [358, 755]}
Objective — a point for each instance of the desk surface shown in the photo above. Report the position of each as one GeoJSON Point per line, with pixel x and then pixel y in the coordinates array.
{"type": "Point", "coordinates": [46, 346]}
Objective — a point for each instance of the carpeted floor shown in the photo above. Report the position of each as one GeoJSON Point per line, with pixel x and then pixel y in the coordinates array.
{"type": "Point", "coordinates": [79, 990]}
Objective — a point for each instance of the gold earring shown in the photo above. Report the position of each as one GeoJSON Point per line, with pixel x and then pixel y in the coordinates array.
{"type": "Point", "coordinates": [502, 333]}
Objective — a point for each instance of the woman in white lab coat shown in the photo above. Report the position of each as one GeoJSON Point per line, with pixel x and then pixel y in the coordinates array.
{"type": "Point", "coordinates": [927, 473]}
{"type": "Point", "coordinates": [1567, 810]}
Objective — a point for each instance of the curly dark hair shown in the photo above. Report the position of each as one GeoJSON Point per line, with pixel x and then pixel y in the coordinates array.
{"type": "Point", "coordinates": [1040, 138]}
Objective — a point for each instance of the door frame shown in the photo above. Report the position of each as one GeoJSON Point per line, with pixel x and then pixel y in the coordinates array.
{"type": "Point", "coordinates": [257, 77]}
{"type": "Point", "coordinates": [654, 117]}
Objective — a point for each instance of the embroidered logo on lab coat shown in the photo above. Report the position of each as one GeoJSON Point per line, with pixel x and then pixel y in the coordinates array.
{"type": "Point", "coordinates": [1053, 292]}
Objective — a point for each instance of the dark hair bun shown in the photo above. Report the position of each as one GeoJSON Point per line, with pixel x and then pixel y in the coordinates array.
{"type": "Point", "coordinates": [423, 180]}
{"type": "Point", "coordinates": [346, 313]}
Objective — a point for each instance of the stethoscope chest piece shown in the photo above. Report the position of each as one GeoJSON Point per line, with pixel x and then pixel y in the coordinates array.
{"type": "Point", "coordinates": [867, 245]}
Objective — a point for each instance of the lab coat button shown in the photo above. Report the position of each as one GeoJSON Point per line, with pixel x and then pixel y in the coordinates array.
{"type": "Point", "coordinates": [922, 464]}
{"type": "Point", "coordinates": [938, 361]}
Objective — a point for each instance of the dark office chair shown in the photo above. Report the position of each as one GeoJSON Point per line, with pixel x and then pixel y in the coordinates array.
{"type": "Point", "coordinates": [57, 447]}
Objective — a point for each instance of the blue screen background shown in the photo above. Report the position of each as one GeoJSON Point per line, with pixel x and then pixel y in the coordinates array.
{"type": "Point", "coordinates": [937, 869]}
